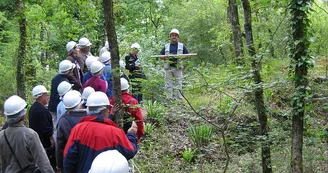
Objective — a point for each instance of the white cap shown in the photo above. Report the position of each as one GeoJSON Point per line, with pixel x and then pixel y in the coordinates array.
{"type": "Point", "coordinates": [105, 57]}
{"type": "Point", "coordinates": [174, 31]}
{"type": "Point", "coordinates": [97, 98]}
{"type": "Point", "coordinates": [87, 92]}
{"type": "Point", "coordinates": [110, 161]}
{"type": "Point", "coordinates": [124, 84]}
{"type": "Point", "coordinates": [90, 60]}
{"type": "Point", "coordinates": [63, 88]}
{"type": "Point", "coordinates": [13, 105]}
{"type": "Point", "coordinates": [84, 42]}
{"type": "Point", "coordinates": [70, 45]}
{"type": "Point", "coordinates": [38, 91]}
{"type": "Point", "coordinates": [96, 67]}
{"type": "Point", "coordinates": [136, 46]}
{"type": "Point", "coordinates": [65, 66]}
{"type": "Point", "coordinates": [72, 99]}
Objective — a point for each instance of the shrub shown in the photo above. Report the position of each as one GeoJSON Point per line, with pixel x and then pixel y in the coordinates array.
{"type": "Point", "coordinates": [200, 135]}
{"type": "Point", "coordinates": [189, 154]}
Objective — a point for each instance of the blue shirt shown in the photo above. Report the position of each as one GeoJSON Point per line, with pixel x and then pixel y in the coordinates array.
{"type": "Point", "coordinates": [60, 110]}
{"type": "Point", "coordinates": [107, 75]}
{"type": "Point", "coordinates": [174, 50]}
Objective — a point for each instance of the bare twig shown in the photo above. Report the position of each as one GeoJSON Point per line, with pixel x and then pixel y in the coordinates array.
{"type": "Point", "coordinates": [320, 7]}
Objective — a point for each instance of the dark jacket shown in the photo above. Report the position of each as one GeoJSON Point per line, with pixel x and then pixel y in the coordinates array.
{"type": "Point", "coordinates": [93, 135]}
{"type": "Point", "coordinates": [64, 127]}
{"type": "Point", "coordinates": [40, 120]}
{"type": "Point", "coordinates": [54, 96]}
{"type": "Point", "coordinates": [76, 79]}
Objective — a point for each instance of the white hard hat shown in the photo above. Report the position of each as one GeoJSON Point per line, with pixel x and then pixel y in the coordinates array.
{"type": "Point", "coordinates": [124, 84]}
{"type": "Point", "coordinates": [110, 161]}
{"type": "Point", "coordinates": [122, 64]}
{"type": "Point", "coordinates": [97, 98]}
{"type": "Point", "coordinates": [72, 99]}
{"type": "Point", "coordinates": [84, 42]}
{"type": "Point", "coordinates": [70, 45]}
{"type": "Point", "coordinates": [96, 67]}
{"type": "Point", "coordinates": [89, 61]}
{"type": "Point", "coordinates": [63, 88]}
{"type": "Point", "coordinates": [136, 46]}
{"type": "Point", "coordinates": [86, 92]}
{"type": "Point", "coordinates": [105, 57]}
{"type": "Point", "coordinates": [65, 66]}
{"type": "Point", "coordinates": [38, 91]}
{"type": "Point", "coordinates": [174, 31]}
{"type": "Point", "coordinates": [14, 105]}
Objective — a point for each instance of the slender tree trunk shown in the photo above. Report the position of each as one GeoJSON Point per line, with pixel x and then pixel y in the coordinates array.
{"type": "Point", "coordinates": [259, 101]}
{"type": "Point", "coordinates": [300, 58]}
{"type": "Point", "coordinates": [112, 40]}
{"type": "Point", "coordinates": [20, 76]}
{"type": "Point", "coordinates": [236, 32]}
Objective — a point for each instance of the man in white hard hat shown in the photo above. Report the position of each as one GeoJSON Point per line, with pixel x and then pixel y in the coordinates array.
{"type": "Point", "coordinates": [173, 66]}
{"type": "Point", "coordinates": [110, 161]}
{"type": "Point", "coordinates": [40, 120]}
{"type": "Point", "coordinates": [63, 88]}
{"type": "Point", "coordinates": [96, 82]}
{"type": "Point", "coordinates": [96, 133]}
{"type": "Point", "coordinates": [87, 75]}
{"type": "Point", "coordinates": [77, 60]}
{"type": "Point", "coordinates": [131, 106]}
{"type": "Point", "coordinates": [65, 71]}
{"type": "Point", "coordinates": [27, 150]}
{"type": "Point", "coordinates": [72, 102]}
{"type": "Point", "coordinates": [85, 94]}
{"type": "Point", "coordinates": [85, 50]}
{"type": "Point", "coordinates": [135, 71]}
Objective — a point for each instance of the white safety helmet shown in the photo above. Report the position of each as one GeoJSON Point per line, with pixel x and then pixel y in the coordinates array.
{"type": "Point", "coordinates": [105, 57]}
{"type": "Point", "coordinates": [87, 92]}
{"type": "Point", "coordinates": [110, 161]}
{"type": "Point", "coordinates": [96, 67]}
{"type": "Point", "coordinates": [63, 88]}
{"type": "Point", "coordinates": [65, 66]}
{"type": "Point", "coordinates": [72, 99]}
{"type": "Point", "coordinates": [174, 31]}
{"type": "Point", "coordinates": [38, 90]}
{"type": "Point", "coordinates": [136, 46]}
{"type": "Point", "coordinates": [122, 64]}
{"type": "Point", "coordinates": [13, 105]}
{"type": "Point", "coordinates": [84, 42]}
{"type": "Point", "coordinates": [89, 61]}
{"type": "Point", "coordinates": [70, 45]}
{"type": "Point", "coordinates": [97, 98]}
{"type": "Point", "coordinates": [124, 84]}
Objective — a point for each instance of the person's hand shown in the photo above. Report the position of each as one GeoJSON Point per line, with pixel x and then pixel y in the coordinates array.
{"type": "Point", "coordinates": [133, 129]}
{"type": "Point", "coordinates": [115, 108]}
{"type": "Point", "coordinates": [52, 141]}
{"type": "Point", "coordinates": [185, 57]}
{"type": "Point", "coordinates": [59, 170]}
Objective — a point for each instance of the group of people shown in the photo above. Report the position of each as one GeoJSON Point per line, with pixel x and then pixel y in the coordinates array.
{"type": "Point", "coordinates": [76, 132]}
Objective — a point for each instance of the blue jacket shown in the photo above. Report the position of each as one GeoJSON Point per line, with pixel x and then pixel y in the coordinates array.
{"type": "Point", "coordinates": [93, 135]}
{"type": "Point", "coordinates": [107, 75]}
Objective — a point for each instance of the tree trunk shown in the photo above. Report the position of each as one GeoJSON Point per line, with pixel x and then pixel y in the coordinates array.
{"type": "Point", "coordinates": [112, 40]}
{"type": "Point", "coordinates": [301, 59]}
{"type": "Point", "coordinates": [20, 76]}
{"type": "Point", "coordinates": [236, 32]}
{"type": "Point", "coordinates": [259, 101]}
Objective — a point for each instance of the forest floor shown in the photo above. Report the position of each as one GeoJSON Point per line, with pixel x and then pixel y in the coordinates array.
{"type": "Point", "coordinates": [163, 147]}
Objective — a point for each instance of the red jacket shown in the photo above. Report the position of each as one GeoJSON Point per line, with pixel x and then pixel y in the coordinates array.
{"type": "Point", "coordinates": [96, 83]}
{"type": "Point", "coordinates": [133, 109]}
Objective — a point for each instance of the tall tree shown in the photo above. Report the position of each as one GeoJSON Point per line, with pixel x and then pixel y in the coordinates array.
{"type": "Point", "coordinates": [301, 61]}
{"type": "Point", "coordinates": [236, 32]}
{"type": "Point", "coordinates": [258, 93]}
{"type": "Point", "coordinates": [112, 40]}
{"type": "Point", "coordinates": [20, 75]}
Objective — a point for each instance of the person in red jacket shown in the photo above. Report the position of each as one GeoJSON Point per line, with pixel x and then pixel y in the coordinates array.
{"type": "Point", "coordinates": [131, 106]}
{"type": "Point", "coordinates": [95, 82]}
{"type": "Point", "coordinates": [97, 133]}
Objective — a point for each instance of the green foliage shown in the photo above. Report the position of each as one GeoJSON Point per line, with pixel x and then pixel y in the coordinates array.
{"type": "Point", "coordinates": [189, 154]}
{"type": "Point", "coordinates": [149, 128]}
{"type": "Point", "coordinates": [155, 111]}
{"type": "Point", "coordinates": [200, 135]}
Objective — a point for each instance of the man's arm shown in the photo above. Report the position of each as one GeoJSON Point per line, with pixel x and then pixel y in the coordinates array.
{"type": "Point", "coordinates": [71, 154]}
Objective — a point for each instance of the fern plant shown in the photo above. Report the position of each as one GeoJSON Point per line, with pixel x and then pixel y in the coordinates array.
{"type": "Point", "coordinates": [189, 154]}
{"type": "Point", "coordinates": [200, 135]}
